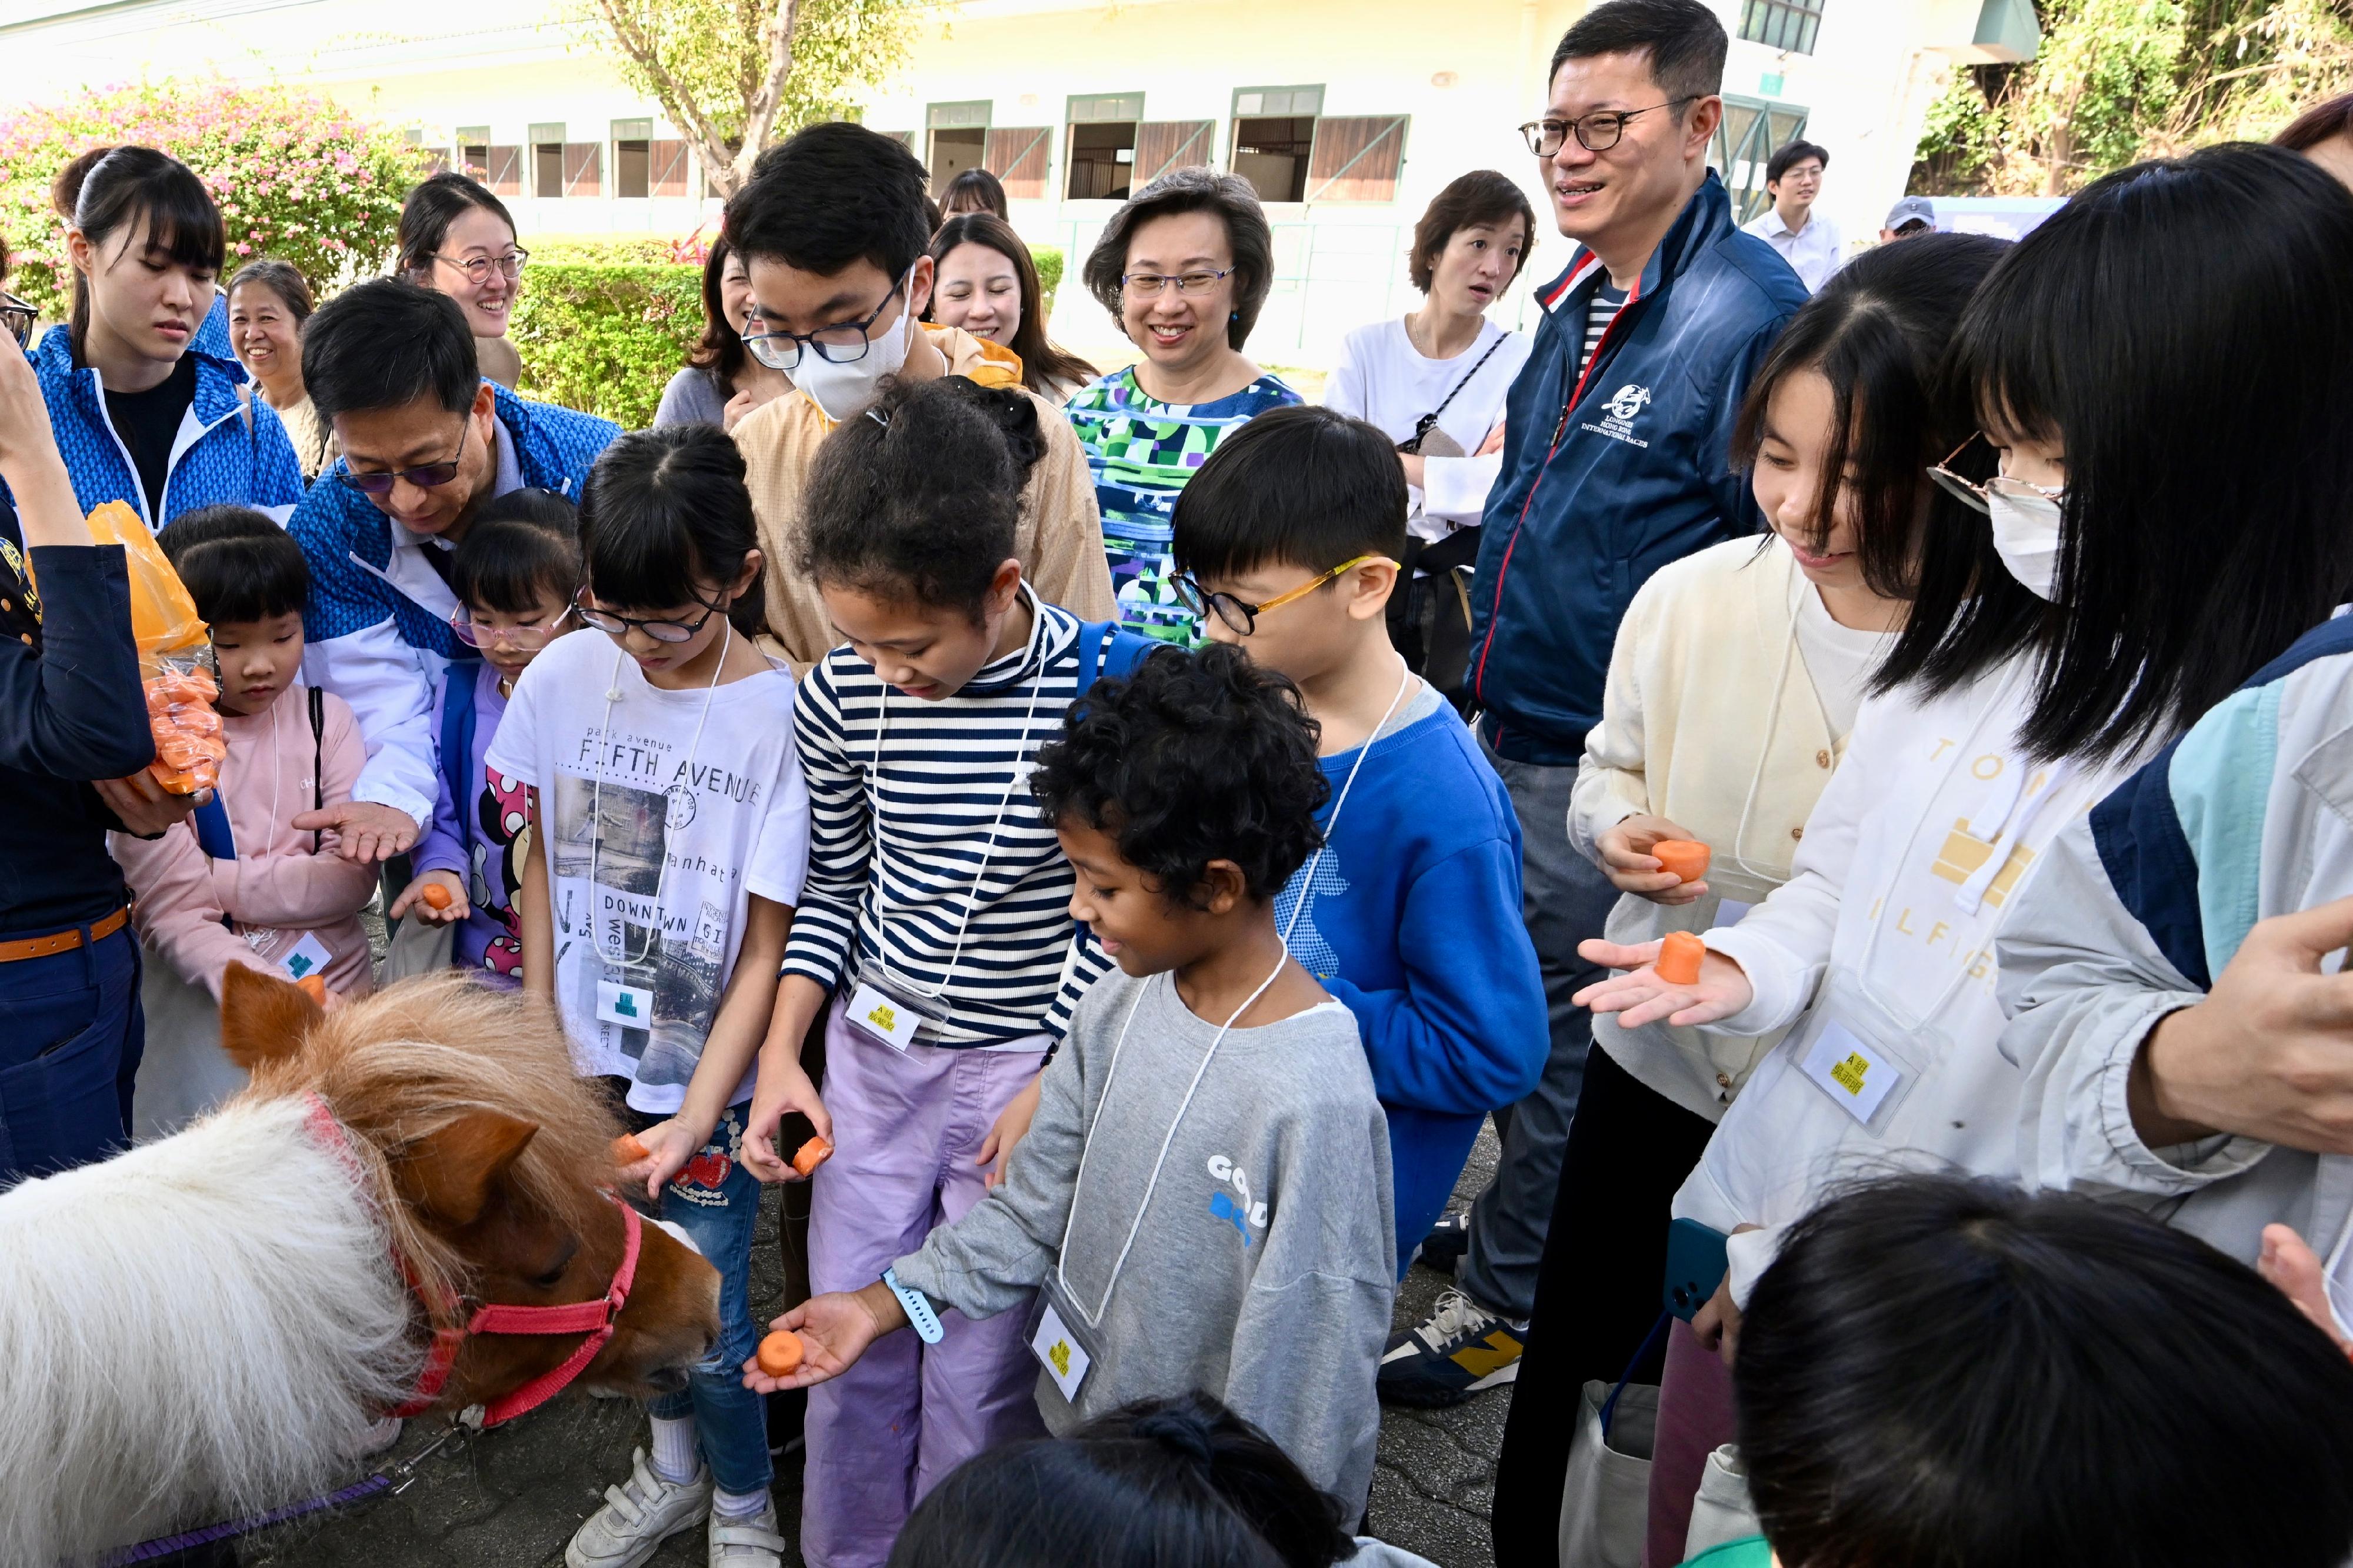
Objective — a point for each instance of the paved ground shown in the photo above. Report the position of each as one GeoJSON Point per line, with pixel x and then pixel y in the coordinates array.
{"type": "Point", "coordinates": [512, 1498]}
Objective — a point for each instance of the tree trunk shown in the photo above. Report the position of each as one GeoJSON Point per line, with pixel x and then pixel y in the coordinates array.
{"type": "Point", "coordinates": [727, 167]}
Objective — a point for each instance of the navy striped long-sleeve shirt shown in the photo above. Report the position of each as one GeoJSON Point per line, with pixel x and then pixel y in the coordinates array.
{"type": "Point", "coordinates": [928, 783]}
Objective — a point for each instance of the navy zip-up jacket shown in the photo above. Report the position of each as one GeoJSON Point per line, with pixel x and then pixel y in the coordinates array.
{"type": "Point", "coordinates": [1611, 475]}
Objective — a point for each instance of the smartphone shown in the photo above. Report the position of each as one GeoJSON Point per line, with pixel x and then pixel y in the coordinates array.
{"type": "Point", "coordinates": [1695, 1265]}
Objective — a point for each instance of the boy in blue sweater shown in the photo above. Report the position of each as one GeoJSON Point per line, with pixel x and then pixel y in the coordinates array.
{"type": "Point", "coordinates": [1287, 544]}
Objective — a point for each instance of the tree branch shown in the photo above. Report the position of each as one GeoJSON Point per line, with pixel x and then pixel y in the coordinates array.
{"type": "Point", "coordinates": [761, 110]}
{"type": "Point", "coordinates": [718, 159]}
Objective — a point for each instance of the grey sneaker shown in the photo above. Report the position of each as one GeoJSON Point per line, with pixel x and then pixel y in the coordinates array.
{"type": "Point", "coordinates": [638, 1515]}
{"type": "Point", "coordinates": [750, 1542]}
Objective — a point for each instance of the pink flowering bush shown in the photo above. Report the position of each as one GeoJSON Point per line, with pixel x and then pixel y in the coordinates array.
{"type": "Point", "coordinates": [294, 175]}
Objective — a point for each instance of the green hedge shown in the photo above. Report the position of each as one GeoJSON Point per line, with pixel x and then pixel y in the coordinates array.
{"type": "Point", "coordinates": [605, 338]}
{"type": "Point", "coordinates": [600, 249]}
{"type": "Point", "coordinates": [1049, 258]}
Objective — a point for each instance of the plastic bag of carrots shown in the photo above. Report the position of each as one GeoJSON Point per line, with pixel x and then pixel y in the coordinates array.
{"type": "Point", "coordinates": [174, 657]}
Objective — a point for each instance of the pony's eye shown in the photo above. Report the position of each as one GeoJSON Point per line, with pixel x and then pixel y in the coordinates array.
{"type": "Point", "coordinates": [554, 1275]}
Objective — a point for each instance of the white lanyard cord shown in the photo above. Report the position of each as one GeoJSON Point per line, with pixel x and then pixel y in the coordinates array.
{"type": "Point", "coordinates": [596, 797]}
{"type": "Point", "coordinates": [1021, 772]}
{"type": "Point", "coordinates": [1111, 1075]}
{"type": "Point", "coordinates": [1332, 823]}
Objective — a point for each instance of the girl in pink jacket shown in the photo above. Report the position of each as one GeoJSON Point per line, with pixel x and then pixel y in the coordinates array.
{"type": "Point", "coordinates": [237, 884]}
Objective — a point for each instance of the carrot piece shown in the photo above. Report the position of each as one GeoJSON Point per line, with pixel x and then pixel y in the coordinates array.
{"type": "Point", "coordinates": [1686, 858]}
{"type": "Point", "coordinates": [629, 1151]}
{"type": "Point", "coordinates": [436, 896]}
{"type": "Point", "coordinates": [811, 1154]}
{"type": "Point", "coordinates": [781, 1353]}
{"type": "Point", "coordinates": [314, 986]}
{"type": "Point", "coordinates": [1678, 960]}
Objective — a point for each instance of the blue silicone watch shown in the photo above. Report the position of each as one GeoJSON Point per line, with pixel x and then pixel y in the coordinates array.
{"type": "Point", "coordinates": [918, 1306]}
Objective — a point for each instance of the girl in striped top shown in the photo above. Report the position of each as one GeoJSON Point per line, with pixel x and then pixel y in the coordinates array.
{"type": "Point", "coordinates": [936, 915]}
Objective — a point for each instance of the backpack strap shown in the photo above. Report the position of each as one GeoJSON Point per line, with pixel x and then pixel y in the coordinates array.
{"type": "Point", "coordinates": [318, 759]}
{"type": "Point", "coordinates": [457, 731]}
{"type": "Point", "coordinates": [213, 835]}
{"type": "Point", "coordinates": [1117, 653]}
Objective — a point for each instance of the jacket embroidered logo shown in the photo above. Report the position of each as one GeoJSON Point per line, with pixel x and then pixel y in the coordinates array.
{"type": "Point", "coordinates": [1629, 401]}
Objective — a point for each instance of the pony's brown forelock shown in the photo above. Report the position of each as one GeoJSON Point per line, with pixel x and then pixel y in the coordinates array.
{"type": "Point", "coordinates": [406, 1063]}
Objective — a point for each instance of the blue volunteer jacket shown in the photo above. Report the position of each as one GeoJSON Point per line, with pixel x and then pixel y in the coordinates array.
{"type": "Point", "coordinates": [1611, 475]}
{"type": "Point", "coordinates": [377, 620]}
{"type": "Point", "coordinates": [221, 456]}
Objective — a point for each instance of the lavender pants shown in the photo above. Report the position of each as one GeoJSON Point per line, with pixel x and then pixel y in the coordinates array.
{"type": "Point", "coordinates": [906, 1128]}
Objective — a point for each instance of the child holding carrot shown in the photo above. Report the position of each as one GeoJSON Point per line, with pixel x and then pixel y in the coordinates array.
{"type": "Point", "coordinates": [514, 575]}
{"type": "Point", "coordinates": [1203, 1200]}
{"type": "Point", "coordinates": [670, 836]}
{"type": "Point", "coordinates": [236, 883]}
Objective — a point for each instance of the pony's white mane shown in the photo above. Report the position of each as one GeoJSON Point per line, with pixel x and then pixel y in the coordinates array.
{"type": "Point", "coordinates": [204, 1325]}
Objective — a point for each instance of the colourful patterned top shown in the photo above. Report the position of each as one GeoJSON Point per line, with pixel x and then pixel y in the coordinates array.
{"type": "Point", "coordinates": [1141, 452]}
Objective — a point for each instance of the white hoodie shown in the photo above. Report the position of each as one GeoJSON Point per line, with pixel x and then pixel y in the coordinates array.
{"type": "Point", "coordinates": [1880, 951]}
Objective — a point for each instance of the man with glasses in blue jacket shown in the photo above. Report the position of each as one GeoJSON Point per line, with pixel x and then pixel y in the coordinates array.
{"type": "Point", "coordinates": [1615, 464]}
{"type": "Point", "coordinates": [424, 442]}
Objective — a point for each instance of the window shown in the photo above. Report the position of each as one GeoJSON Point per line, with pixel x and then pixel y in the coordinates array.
{"type": "Point", "coordinates": [1752, 128]}
{"type": "Point", "coordinates": [437, 157]}
{"type": "Point", "coordinates": [667, 163]}
{"type": "Point", "coordinates": [1785, 24]}
{"type": "Point", "coordinates": [1274, 134]}
{"type": "Point", "coordinates": [546, 145]}
{"type": "Point", "coordinates": [1164, 144]}
{"type": "Point", "coordinates": [584, 168]}
{"type": "Point", "coordinates": [633, 157]}
{"type": "Point", "coordinates": [1356, 158]}
{"type": "Point", "coordinates": [1016, 156]}
{"type": "Point", "coordinates": [498, 167]}
{"type": "Point", "coordinates": [957, 140]}
{"type": "Point", "coordinates": [1101, 151]}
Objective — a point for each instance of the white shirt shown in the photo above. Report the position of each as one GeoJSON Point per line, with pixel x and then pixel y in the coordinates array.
{"type": "Point", "coordinates": [1383, 380]}
{"type": "Point", "coordinates": [1885, 931]}
{"type": "Point", "coordinates": [657, 837]}
{"type": "Point", "coordinates": [1841, 660]}
{"type": "Point", "coordinates": [1812, 252]}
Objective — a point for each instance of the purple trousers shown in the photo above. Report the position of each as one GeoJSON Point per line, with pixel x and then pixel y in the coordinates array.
{"type": "Point", "coordinates": [906, 1128]}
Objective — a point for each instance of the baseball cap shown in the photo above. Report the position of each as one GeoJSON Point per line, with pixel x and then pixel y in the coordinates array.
{"type": "Point", "coordinates": [1912, 209]}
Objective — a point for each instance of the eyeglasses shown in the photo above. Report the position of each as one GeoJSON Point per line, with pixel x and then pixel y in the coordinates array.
{"type": "Point", "coordinates": [428, 476]}
{"type": "Point", "coordinates": [521, 640]}
{"type": "Point", "coordinates": [1151, 285]}
{"type": "Point", "coordinates": [478, 268]}
{"type": "Point", "coordinates": [18, 318]}
{"type": "Point", "coordinates": [1243, 618]}
{"type": "Point", "coordinates": [614, 625]}
{"type": "Point", "coordinates": [1596, 133]}
{"type": "Point", "coordinates": [844, 342]}
{"type": "Point", "coordinates": [1972, 493]}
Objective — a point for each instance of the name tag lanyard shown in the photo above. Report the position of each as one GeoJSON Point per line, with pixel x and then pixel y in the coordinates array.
{"type": "Point", "coordinates": [1332, 823]}
{"type": "Point", "coordinates": [1111, 1076]}
{"type": "Point", "coordinates": [1022, 768]}
{"type": "Point", "coordinates": [597, 801]}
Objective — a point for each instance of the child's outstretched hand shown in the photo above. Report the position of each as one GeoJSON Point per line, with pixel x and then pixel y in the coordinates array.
{"type": "Point", "coordinates": [781, 1088]}
{"type": "Point", "coordinates": [669, 1145]}
{"type": "Point", "coordinates": [1642, 997]}
{"type": "Point", "coordinates": [436, 898]}
{"type": "Point", "coordinates": [835, 1330]}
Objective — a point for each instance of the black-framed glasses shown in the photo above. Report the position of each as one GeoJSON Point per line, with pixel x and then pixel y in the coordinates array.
{"type": "Point", "coordinates": [17, 318]}
{"type": "Point", "coordinates": [844, 342]}
{"type": "Point", "coordinates": [1242, 617]}
{"type": "Point", "coordinates": [523, 639]}
{"type": "Point", "coordinates": [426, 475]}
{"type": "Point", "coordinates": [478, 268]}
{"type": "Point", "coordinates": [1151, 285]}
{"type": "Point", "coordinates": [1596, 133]}
{"type": "Point", "coordinates": [667, 631]}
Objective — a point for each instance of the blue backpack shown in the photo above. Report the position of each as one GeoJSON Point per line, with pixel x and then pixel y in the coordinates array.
{"type": "Point", "coordinates": [1117, 653]}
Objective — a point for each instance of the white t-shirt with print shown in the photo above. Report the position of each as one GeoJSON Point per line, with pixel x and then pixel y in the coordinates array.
{"type": "Point", "coordinates": [691, 824]}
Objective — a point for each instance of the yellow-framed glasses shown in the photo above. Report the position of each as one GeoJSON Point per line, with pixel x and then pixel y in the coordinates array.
{"type": "Point", "coordinates": [1243, 618]}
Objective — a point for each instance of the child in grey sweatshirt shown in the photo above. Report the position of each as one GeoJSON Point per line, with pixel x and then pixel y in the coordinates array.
{"type": "Point", "coordinates": [1203, 1200]}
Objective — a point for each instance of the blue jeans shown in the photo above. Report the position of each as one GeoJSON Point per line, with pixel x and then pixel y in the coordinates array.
{"type": "Point", "coordinates": [68, 1052]}
{"type": "Point", "coordinates": [716, 1201]}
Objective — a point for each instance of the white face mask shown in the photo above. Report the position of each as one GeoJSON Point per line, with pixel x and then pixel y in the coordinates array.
{"type": "Point", "coordinates": [2025, 534]}
{"type": "Point", "coordinates": [844, 391]}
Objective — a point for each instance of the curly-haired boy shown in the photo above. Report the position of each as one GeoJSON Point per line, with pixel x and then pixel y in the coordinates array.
{"type": "Point", "coordinates": [1203, 1200]}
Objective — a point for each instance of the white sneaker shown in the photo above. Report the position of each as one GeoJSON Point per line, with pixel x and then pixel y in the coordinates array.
{"type": "Point", "coordinates": [638, 1515]}
{"type": "Point", "coordinates": [750, 1542]}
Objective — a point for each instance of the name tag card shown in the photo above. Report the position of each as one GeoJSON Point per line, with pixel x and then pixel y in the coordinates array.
{"type": "Point", "coordinates": [1058, 1351]}
{"type": "Point", "coordinates": [884, 1017]}
{"type": "Point", "coordinates": [307, 957]}
{"type": "Point", "coordinates": [1857, 1076]}
{"type": "Point", "coordinates": [629, 1006]}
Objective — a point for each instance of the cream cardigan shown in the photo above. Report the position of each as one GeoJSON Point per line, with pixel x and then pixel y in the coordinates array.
{"type": "Point", "coordinates": [1711, 720]}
